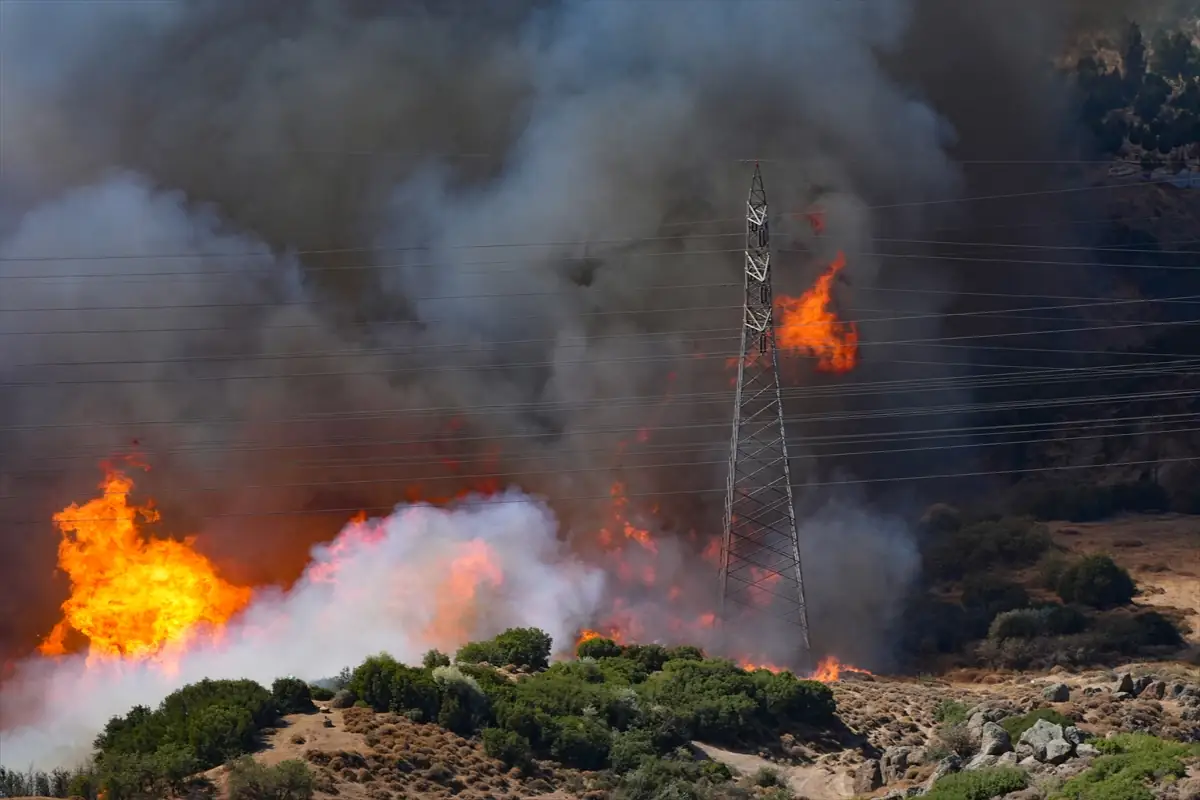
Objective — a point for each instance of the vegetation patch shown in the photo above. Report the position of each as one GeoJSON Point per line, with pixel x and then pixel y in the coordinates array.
{"type": "Point", "coordinates": [1131, 762]}
{"type": "Point", "coordinates": [982, 784]}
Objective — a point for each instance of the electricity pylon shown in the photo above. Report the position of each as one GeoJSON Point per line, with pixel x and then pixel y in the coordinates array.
{"type": "Point", "coordinates": [760, 556]}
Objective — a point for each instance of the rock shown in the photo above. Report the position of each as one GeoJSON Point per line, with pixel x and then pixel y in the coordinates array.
{"type": "Point", "coordinates": [327, 722]}
{"type": "Point", "coordinates": [1175, 690]}
{"type": "Point", "coordinates": [946, 766]}
{"type": "Point", "coordinates": [994, 740]}
{"type": "Point", "coordinates": [1057, 693]}
{"type": "Point", "coordinates": [1008, 759]}
{"type": "Point", "coordinates": [1030, 763]}
{"type": "Point", "coordinates": [1057, 751]}
{"type": "Point", "coordinates": [1124, 683]}
{"type": "Point", "coordinates": [1032, 793]}
{"type": "Point", "coordinates": [1074, 735]}
{"type": "Point", "coordinates": [975, 724]}
{"type": "Point", "coordinates": [981, 761]}
{"type": "Point", "coordinates": [1157, 690]}
{"type": "Point", "coordinates": [1040, 735]}
{"type": "Point", "coordinates": [894, 763]}
{"type": "Point", "coordinates": [343, 699]}
{"type": "Point", "coordinates": [868, 777]}
{"type": "Point", "coordinates": [1023, 750]}
{"type": "Point", "coordinates": [1086, 750]}
{"type": "Point", "coordinates": [1122, 695]}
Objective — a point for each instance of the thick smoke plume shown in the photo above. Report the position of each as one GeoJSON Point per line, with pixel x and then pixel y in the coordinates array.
{"type": "Point", "coordinates": [421, 578]}
{"type": "Point", "coordinates": [314, 256]}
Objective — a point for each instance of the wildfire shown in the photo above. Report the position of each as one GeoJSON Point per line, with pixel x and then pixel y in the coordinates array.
{"type": "Point", "coordinates": [829, 670]}
{"type": "Point", "coordinates": [807, 325]}
{"type": "Point", "coordinates": [587, 635]}
{"type": "Point", "coordinates": [132, 595]}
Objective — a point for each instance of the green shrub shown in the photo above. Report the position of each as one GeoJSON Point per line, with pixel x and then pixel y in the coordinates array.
{"type": "Point", "coordinates": [508, 747]}
{"type": "Point", "coordinates": [982, 784]}
{"type": "Point", "coordinates": [950, 712]}
{"type": "Point", "coordinates": [1120, 631]}
{"type": "Point", "coordinates": [599, 648]}
{"type": "Point", "coordinates": [1030, 623]}
{"type": "Point", "coordinates": [650, 657]}
{"type": "Point", "coordinates": [1018, 725]}
{"type": "Point", "coordinates": [672, 779]}
{"type": "Point", "coordinates": [215, 720]}
{"type": "Point", "coordinates": [320, 693]}
{"type": "Point", "coordinates": [767, 777]}
{"type": "Point", "coordinates": [717, 701]}
{"type": "Point", "coordinates": [982, 546]}
{"type": "Point", "coordinates": [434, 659]}
{"type": "Point", "coordinates": [288, 780]}
{"type": "Point", "coordinates": [1127, 763]}
{"type": "Point", "coordinates": [1096, 581]}
{"type": "Point", "coordinates": [955, 738]}
{"type": "Point", "coordinates": [631, 749]}
{"type": "Point", "coordinates": [685, 652]}
{"type": "Point", "coordinates": [519, 647]}
{"type": "Point", "coordinates": [991, 596]}
{"type": "Point", "coordinates": [385, 684]}
{"type": "Point", "coordinates": [581, 742]}
{"type": "Point", "coordinates": [464, 706]}
{"type": "Point", "coordinates": [292, 696]}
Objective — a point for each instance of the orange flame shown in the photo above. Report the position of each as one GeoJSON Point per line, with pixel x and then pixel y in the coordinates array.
{"type": "Point", "coordinates": [829, 670]}
{"type": "Point", "coordinates": [132, 595]}
{"type": "Point", "coordinates": [457, 604]}
{"type": "Point", "coordinates": [807, 325]}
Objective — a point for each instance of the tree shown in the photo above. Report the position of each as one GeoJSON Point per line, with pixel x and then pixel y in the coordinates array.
{"type": "Point", "coordinates": [292, 696]}
{"type": "Point", "coordinates": [1096, 581]}
{"type": "Point", "coordinates": [1134, 57]}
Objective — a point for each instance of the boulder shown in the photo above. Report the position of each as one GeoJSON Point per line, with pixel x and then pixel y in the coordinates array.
{"type": "Point", "coordinates": [343, 699]}
{"type": "Point", "coordinates": [1086, 750]}
{"type": "Point", "coordinates": [1157, 690]}
{"type": "Point", "coordinates": [1057, 751]}
{"type": "Point", "coordinates": [1040, 735]}
{"type": "Point", "coordinates": [868, 777]}
{"type": "Point", "coordinates": [894, 763]}
{"type": "Point", "coordinates": [1074, 735]}
{"type": "Point", "coordinates": [945, 767]}
{"type": "Point", "coordinates": [981, 761]}
{"type": "Point", "coordinates": [1008, 759]}
{"type": "Point", "coordinates": [1141, 684]}
{"type": "Point", "coordinates": [1057, 693]}
{"type": "Point", "coordinates": [1030, 763]}
{"type": "Point", "coordinates": [1175, 690]}
{"type": "Point", "coordinates": [994, 740]}
{"type": "Point", "coordinates": [1124, 684]}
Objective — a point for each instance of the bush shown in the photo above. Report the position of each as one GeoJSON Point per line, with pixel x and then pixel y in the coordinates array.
{"type": "Point", "coordinates": [1008, 543]}
{"type": "Point", "coordinates": [599, 648]}
{"type": "Point", "coordinates": [464, 707]}
{"type": "Point", "coordinates": [385, 684]}
{"type": "Point", "coordinates": [982, 784]}
{"type": "Point", "coordinates": [288, 780]}
{"type": "Point", "coordinates": [1096, 581]}
{"type": "Point", "coordinates": [672, 779]}
{"type": "Point", "coordinates": [717, 701]}
{"type": "Point", "coordinates": [1129, 761]}
{"type": "Point", "coordinates": [991, 596]}
{"type": "Point", "coordinates": [519, 647]}
{"type": "Point", "coordinates": [292, 696]}
{"type": "Point", "coordinates": [320, 693]}
{"type": "Point", "coordinates": [1122, 632]}
{"type": "Point", "coordinates": [215, 720]}
{"type": "Point", "coordinates": [1030, 623]}
{"type": "Point", "coordinates": [955, 738]}
{"type": "Point", "coordinates": [631, 749]}
{"type": "Point", "coordinates": [950, 712]}
{"type": "Point", "coordinates": [434, 659]}
{"type": "Point", "coordinates": [581, 742]}
{"type": "Point", "coordinates": [1018, 725]}
{"type": "Point", "coordinates": [508, 747]}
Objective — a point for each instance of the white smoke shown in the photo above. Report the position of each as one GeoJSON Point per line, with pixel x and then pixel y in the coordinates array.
{"type": "Point", "coordinates": [420, 578]}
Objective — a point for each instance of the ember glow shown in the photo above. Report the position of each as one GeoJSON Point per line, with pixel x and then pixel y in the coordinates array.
{"type": "Point", "coordinates": [808, 326]}
{"type": "Point", "coordinates": [132, 595]}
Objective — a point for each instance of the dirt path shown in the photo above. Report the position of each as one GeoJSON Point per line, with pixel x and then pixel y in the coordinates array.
{"type": "Point", "coordinates": [806, 782]}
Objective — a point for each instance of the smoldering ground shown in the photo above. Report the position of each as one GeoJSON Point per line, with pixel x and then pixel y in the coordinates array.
{"type": "Point", "coordinates": [352, 247]}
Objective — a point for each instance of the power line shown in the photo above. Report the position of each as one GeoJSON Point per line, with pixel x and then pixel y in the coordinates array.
{"type": "Point", "coordinates": [588, 342]}
{"type": "Point", "coordinates": [656, 495]}
{"type": "Point", "coordinates": [559, 362]}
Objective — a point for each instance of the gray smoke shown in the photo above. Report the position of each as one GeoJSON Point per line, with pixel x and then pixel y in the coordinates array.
{"type": "Point", "coordinates": [431, 243]}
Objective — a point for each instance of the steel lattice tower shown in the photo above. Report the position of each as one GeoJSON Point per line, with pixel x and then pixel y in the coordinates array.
{"type": "Point", "coordinates": [760, 556]}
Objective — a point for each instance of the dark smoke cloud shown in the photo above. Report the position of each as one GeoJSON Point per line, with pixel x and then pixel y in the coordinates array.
{"type": "Point", "coordinates": [404, 141]}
